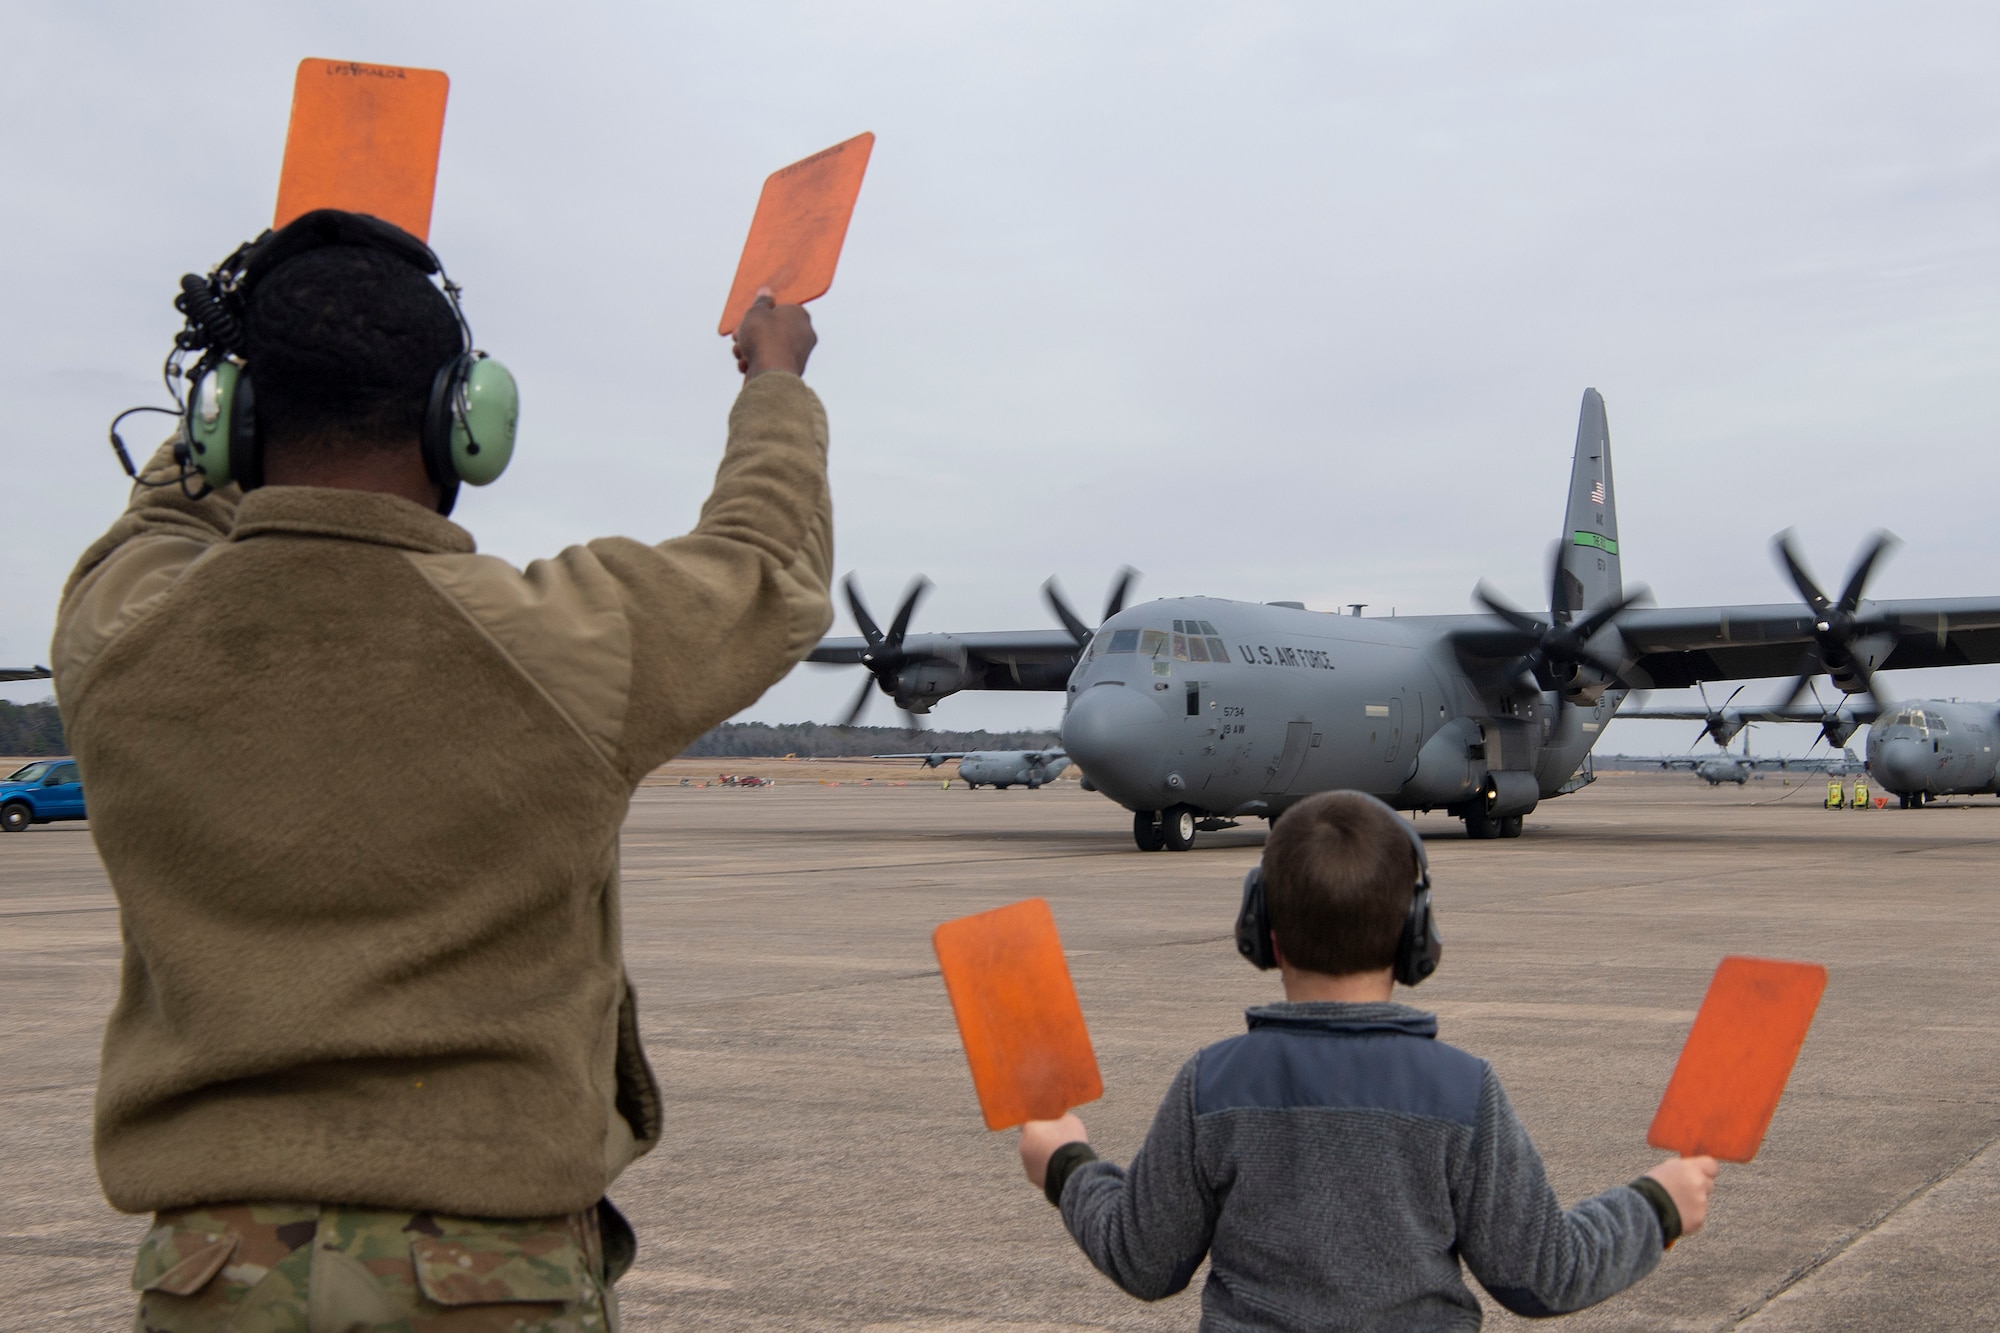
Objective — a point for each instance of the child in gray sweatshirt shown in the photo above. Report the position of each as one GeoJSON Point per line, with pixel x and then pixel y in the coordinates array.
{"type": "Point", "coordinates": [1337, 1163]}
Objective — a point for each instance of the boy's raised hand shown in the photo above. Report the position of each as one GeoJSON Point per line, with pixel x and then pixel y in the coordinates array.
{"type": "Point", "coordinates": [773, 337]}
{"type": "Point", "coordinates": [1040, 1139]}
{"type": "Point", "coordinates": [1689, 1180]}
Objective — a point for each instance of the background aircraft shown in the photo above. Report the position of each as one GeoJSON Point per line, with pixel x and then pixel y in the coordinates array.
{"type": "Point", "coordinates": [1918, 750]}
{"type": "Point", "coordinates": [1196, 712]}
{"type": "Point", "coordinates": [25, 673]}
{"type": "Point", "coordinates": [997, 768]}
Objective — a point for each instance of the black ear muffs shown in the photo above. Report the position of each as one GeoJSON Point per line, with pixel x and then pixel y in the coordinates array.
{"type": "Point", "coordinates": [1419, 948]}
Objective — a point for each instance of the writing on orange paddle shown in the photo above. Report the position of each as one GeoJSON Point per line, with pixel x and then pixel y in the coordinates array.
{"type": "Point", "coordinates": [800, 225]}
{"type": "Point", "coordinates": [363, 138]}
{"type": "Point", "coordinates": [1737, 1059]}
{"type": "Point", "coordinates": [1017, 1014]}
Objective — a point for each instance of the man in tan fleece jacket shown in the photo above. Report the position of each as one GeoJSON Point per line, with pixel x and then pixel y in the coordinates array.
{"type": "Point", "coordinates": [358, 789]}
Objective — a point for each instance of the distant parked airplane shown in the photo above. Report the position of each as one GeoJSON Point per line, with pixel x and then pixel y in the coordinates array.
{"type": "Point", "coordinates": [25, 673]}
{"type": "Point", "coordinates": [997, 768]}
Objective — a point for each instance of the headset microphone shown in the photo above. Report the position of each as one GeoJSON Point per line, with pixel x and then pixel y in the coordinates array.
{"type": "Point", "coordinates": [1419, 947]}
{"type": "Point", "coordinates": [471, 415]}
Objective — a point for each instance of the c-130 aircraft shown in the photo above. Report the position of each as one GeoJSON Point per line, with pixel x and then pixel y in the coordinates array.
{"type": "Point", "coordinates": [1194, 713]}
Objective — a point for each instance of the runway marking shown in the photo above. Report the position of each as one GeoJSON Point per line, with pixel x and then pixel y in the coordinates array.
{"type": "Point", "coordinates": [1861, 1233]}
{"type": "Point", "coordinates": [62, 911]}
{"type": "Point", "coordinates": [1621, 1013]}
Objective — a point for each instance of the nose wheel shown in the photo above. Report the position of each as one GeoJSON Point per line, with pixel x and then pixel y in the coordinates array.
{"type": "Point", "coordinates": [1171, 829]}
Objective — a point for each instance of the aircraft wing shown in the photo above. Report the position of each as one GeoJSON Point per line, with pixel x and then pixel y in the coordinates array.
{"type": "Point", "coordinates": [1039, 659]}
{"type": "Point", "coordinates": [25, 673]}
{"type": "Point", "coordinates": [1677, 647]}
{"type": "Point", "coordinates": [939, 756]}
{"type": "Point", "coordinates": [1861, 711]}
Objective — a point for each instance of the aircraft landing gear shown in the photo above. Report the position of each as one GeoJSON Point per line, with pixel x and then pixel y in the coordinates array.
{"type": "Point", "coordinates": [1510, 826]}
{"type": "Point", "coordinates": [1146, 830]}
{"type": "Point", "coordinates": [1177, 828]}
{"type": "Point", "coordinates": [1479, 824]}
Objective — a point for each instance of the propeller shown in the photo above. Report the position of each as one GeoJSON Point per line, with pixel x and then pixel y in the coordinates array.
{"type": "Point", "coordinates": [1836, 626]}
{"type": "Point", "coordinates": [884, 656]}
{"type": "Point", "coordinates": [1082, 633]}
{"type": "Point", "coordinates": [1718, 726]}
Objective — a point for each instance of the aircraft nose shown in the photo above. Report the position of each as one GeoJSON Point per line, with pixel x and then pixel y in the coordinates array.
{"type": "Point", "coordinates": [1899, 764]}
{"type": "Point", "coordinates": [1112, 732]}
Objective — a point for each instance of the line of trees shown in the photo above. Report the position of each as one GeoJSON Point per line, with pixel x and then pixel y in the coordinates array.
{"type": "Point", "coordinates": [811, 740]}
{"type": "Point", "coordinates": [29, 730]}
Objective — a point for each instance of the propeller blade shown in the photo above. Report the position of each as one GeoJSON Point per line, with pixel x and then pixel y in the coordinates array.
{"type": "Point", "coordinates": [1850, 596]}
{"type": "Point", "coordinates": [1732, 696]}
{"type": "Point", "coordinates": [860, 702]}
{"type": "Point", "coordinates": [1519, 619]}
{"type": "Point", "coordinates": [1602, 616]}
{"type": "Point", "coordinates": [1595, 663]}
{"type": "Point", "coordinates": [869, 629]}
{"type": "Point", "coordinates": [1071, 623]}
{"type": "Point", "coordinates": [1559, 607]}
{"type": "Point", "coordinates": [901, 624]}
{"type": "Point", "coordinates": [1116, 601]}
{"type": "Point", "coordinates": [1801, 580]}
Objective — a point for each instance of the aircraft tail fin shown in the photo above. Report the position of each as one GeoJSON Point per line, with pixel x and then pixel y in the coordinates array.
{"type": "Point", "coordinates": [1588, 573]}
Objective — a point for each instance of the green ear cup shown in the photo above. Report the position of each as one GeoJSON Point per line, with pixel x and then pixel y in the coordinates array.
{"type": "Point", "coordinates": [482, 434]}
{"type": "Point", "coordinates": [208, 418]}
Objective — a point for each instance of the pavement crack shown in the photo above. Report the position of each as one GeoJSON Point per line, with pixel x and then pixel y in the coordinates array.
{"type": "Point", "coordinates": [1847, 1242]}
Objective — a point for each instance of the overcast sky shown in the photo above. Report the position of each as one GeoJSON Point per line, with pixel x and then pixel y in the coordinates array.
{"type": "Point", "coordinates": [1269, 301]}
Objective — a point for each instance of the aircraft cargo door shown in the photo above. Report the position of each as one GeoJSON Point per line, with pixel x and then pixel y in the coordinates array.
{"type": "Point", "coordinates": [1298, 738]}
{"type": "Point", "coordinates": [1390, 750]}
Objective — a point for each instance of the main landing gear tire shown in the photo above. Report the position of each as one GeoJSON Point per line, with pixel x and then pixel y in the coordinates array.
{"type": "Point", "coordinates": [1510, 826]}
{"type": "Point", "coordinates": [1479, 824]}
{"type": "Point", "coordinates": [1146, 830]}
{"type": "Point", "coordinates": [1906, 800]}
{"type": "Point", "coordinates": [15, 818]}
{"type": "Point", "coordinates": [1177, 828]}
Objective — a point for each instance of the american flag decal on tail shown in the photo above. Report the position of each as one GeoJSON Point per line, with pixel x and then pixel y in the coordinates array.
{"type": "Point", "coordinates": [1597, 491]}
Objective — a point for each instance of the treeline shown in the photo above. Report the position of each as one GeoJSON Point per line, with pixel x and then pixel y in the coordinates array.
{"type": "Point", "coordinates": [810, 740]}
{"type": "Point", "coordinates": [30, 729]}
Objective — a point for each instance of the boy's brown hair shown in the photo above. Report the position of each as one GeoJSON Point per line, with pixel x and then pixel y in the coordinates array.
{"type": "Point", "coordinates": [1338, 878]}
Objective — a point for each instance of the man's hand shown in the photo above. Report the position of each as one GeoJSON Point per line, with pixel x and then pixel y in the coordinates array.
{"type": "Point", "coordinates": [1690, 1180]}
{"type": "Point", "coordinates": [1040, 1139]}
{"type": "Point", "coordinates": [773, 337]}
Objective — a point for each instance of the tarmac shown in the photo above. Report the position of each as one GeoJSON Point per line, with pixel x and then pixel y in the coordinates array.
{"type": "Point", "coordinates": [825, 1165]}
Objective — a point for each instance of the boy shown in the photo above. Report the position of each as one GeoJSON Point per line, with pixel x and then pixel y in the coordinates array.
{"type": "Point", "coordinates": [1337, 1162]}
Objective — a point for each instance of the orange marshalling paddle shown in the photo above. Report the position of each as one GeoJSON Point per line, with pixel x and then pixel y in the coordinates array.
{"type": "Point", "coordinates": [800, 225]}
{"type": "Point", "coordinates": [1017, 1014]}
{"type": "Point", "coordinates": [363, 138]}
{"type": "Point", "coordinates": [1740, 1052]}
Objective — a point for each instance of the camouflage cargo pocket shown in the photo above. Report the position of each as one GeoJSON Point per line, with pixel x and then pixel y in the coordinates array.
{"type": "Point", "coordinates": [181, 1260]}
{"type": "Point", "coordinates": [489, 1263]}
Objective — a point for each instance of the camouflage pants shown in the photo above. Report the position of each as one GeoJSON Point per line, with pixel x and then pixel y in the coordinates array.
{"type": "Point", "coordinates": [320, 1268]}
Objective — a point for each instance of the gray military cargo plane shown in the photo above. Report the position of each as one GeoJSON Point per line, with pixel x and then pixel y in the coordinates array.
{"type": "Point", "coordinates": [997, 768]}
{"type": "Point", "coordinates": [25, 673]}
{"type": "Point", "coordinates": [1918, 750]}
{"type": "Point", "coordinates": [1194, 713]}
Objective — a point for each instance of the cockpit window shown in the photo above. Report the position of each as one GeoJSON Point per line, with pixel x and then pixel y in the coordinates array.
{"type": "Point", "coordinates": [1207, 628]}
{"type": "Point", "coordinates": [1123, 641]}
{"type": "Point", "coordinates": [1216, 652]}
{"type": "Point", "coordinates": [1181, 646]}
{"type": "Point", "coordinates": [1198, 649]}
{"type": "Point", "coordinates": [1153, 642]}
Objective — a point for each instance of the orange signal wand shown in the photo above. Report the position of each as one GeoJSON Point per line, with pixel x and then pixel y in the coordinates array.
{"type": "Point", "coordinates": [1738, 1057]}
{"type": "Point", "coordinates": [800, 225]}
{"type": "Point", "coordinates": [1017, 1013]}
{"type": "Point", "coordinates": [363, 138]}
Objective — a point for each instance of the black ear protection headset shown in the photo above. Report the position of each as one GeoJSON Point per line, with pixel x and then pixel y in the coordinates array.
{"type": "Point", "coordinates": [1418, 949]}
{"type": "Point", "coordinates": [469, 420]}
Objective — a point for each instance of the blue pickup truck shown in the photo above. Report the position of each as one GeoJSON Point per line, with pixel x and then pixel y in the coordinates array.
{"type": "Point", "coordinates": [45, 790]}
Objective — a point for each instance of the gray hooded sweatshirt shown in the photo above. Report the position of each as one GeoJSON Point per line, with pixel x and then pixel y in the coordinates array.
{"type": "Point", "coordinates": [1336, 1163]}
